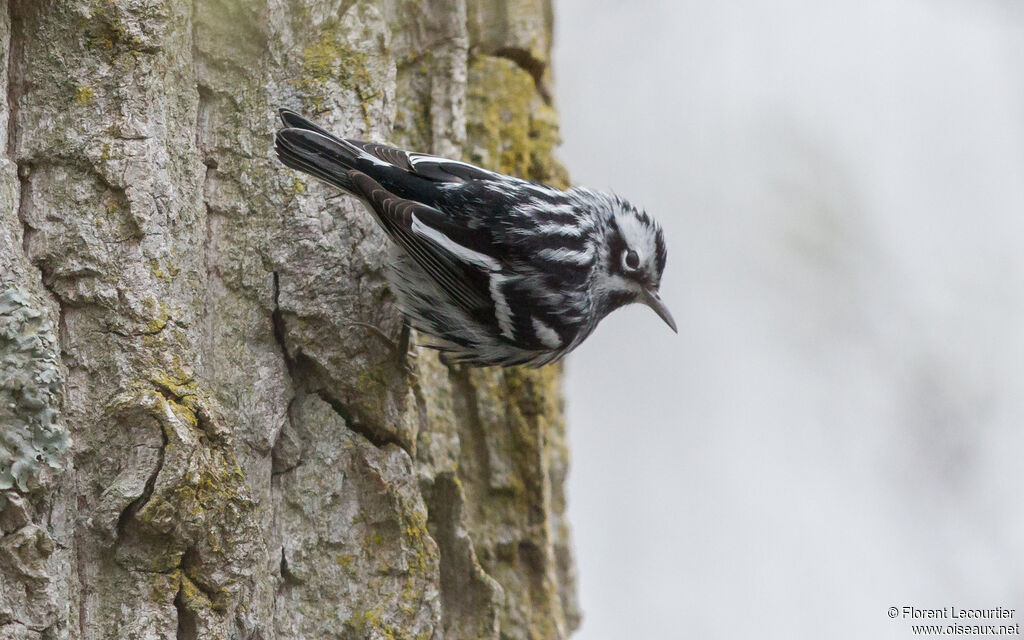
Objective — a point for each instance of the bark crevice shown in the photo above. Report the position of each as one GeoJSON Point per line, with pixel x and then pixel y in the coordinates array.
{"type": "Point", "coordinates": [14, 82]}
{"type": "Point", "coordinates": [188, 623]}
{"type": "Point", "coordinates": [279, 328]}
{"type": "Point", "coordinates": [375, 438]}
{"type": "Point", "coordinates": [15, 65]}
{"type": "Point", "coordinates": [127, 514]}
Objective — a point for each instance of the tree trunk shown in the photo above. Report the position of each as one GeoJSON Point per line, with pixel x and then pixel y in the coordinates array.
{"type": "Point", "coordinates": [203, 436]}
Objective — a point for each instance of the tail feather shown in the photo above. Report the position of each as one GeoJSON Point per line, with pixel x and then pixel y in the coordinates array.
{"type": "Point", "coordinates": [321, 156]}
{"type": "Point", "coordinates": [293, 120]}
{"type": "Point", "coordinates": [295, 162]}
{"type": "Point", "coordinates": [304, 146]}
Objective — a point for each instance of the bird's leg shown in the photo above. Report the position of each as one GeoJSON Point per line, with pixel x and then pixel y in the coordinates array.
{"type": "Point", "coordinates": [403, 344]}
{"type": "Point", "coordinates": [399, 347]}
{"type": "Point", "coordinates": [375, 330]}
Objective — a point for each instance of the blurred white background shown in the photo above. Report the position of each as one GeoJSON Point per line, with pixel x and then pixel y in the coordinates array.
{"type": "Point", "coordinates": [838, 427]}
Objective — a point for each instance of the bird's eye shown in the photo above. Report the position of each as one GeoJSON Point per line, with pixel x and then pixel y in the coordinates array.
{"type": "Point", "coordinates": [630, 260]}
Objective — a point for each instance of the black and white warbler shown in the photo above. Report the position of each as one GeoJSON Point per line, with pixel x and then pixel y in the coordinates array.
{"type": "Point", "coordinates": [495, 270]}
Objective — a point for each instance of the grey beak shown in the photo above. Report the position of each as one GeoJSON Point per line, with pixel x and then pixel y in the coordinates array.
{"type": "Point", "coordinates": [653, 300]}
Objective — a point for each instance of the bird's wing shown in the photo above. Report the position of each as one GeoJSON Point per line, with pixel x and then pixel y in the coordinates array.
{"type": "Point", "coordinates": [454, 257]}
{"type": "Point", "coordinates": [445, 170]}
{"type": "Point", "coordinates": [424, 165]}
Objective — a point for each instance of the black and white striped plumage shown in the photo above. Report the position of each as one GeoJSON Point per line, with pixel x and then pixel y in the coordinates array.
{"type": "Point", "coordinates": [495, 270]}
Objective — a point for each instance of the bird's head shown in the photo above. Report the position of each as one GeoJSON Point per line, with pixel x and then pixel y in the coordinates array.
{"type": "Point", "coordinates": [632, 259]}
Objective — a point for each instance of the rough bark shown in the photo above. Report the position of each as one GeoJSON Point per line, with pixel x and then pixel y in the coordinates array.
{"type": "Point", "coordinates": [201, 437]}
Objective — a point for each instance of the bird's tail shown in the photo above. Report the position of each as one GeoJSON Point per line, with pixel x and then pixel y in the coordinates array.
{"type": "Point", "coordinates": [306, 147]}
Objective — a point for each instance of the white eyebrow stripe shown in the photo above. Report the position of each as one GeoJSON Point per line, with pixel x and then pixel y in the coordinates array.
{"type": "Point", "coordinates": [556, 229]}
{"type": "Point", "coordinates": [568, 255]}
{"type": "Point", "coordinates": [463, 253]}
{"type": "Point", "coordinates": [566, 230]}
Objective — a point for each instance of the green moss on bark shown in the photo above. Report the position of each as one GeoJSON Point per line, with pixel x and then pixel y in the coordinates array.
{"type": "Point", "coordinates": [331, 62]}
{"type": "Point", "coordinates": [508, 125]}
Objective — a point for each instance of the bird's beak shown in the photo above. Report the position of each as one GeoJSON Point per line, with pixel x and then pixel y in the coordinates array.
{"type": "Point", "coordinates": [653, 300]}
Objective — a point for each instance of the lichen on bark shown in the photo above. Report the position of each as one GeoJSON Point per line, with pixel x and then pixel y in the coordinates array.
{"type": "Point", "coordinates": [30, 394]}
{"type": "Point", "coordinates": [213, 444]}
